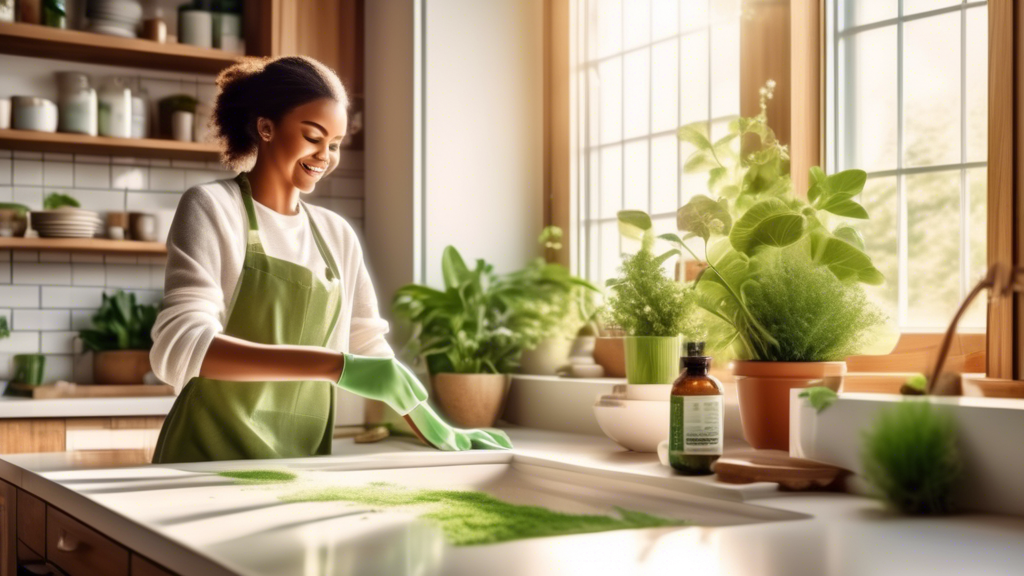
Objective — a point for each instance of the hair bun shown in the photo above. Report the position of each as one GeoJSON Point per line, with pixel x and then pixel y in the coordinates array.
{"type": "Point", "coordinates": [246, 67]}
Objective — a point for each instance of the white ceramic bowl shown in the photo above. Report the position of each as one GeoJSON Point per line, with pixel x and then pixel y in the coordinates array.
{"type": "Point", "coordinates": [658, 392]}
{"type": "Point", "coordinates": [637, 425]}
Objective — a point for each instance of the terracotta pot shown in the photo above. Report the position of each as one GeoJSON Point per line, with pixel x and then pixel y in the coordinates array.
{"type": "Point", "coordinates": [550, 355]}
{"type": "Point", "coordinates": [120, 366]}
{"type": "Point", "coordinates": [764, 395]}
{"type": "Point", "coordinates": [610, 353]}
{"type": "Point", "coordinates": [470, 400]}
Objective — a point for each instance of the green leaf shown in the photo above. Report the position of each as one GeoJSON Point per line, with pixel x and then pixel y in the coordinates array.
{"type": "Point", "coordinates": [453, 268]}
{"type": "Point", "coordinates": [56, 200]}
{"type": "Point", "coordinates": [661, 259]}
{"type": "Point", "coordinates": [696, 134]}
{"type": "Point", "coordinates": [700, 161]}
{"type": "Point", "coordinates": [918, 382]}
{"type": "Point", "coordinates": [770, 222]}
{"type": "Point", "coordinates": [704, 217]}
{"type": "Point", "coordinates": [820, 397]}
{"type": "Point", "coordinates": [844, 259]}
{"type": "Point", "coordinates": [5, 331]}
{"type": "Point", "coordinates": [835, 193]}
{"type": "Point", "coordinates": [849, 234]}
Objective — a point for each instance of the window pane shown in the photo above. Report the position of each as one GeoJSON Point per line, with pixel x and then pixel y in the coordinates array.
{"type": "Point", "coordinates": [636, 175]}
{"type": "Point", "coordinates": [664, 171]}
{"type": "Point", "coordinates": [977, 199]}
{"type": "Point", "coordinates": [881, 240]}
{"type": "Point", "coordinates": [638, 93]}
{"type": "Point", "coordinates": [724, 10]}
{"type": "Point", "coordinates": [664, 86]}
{"type": "Point", "coordinates": [593, 110]}
{"type": "Point", "coordinates": [931, 90]}
{"type": "Point", "coordinates": [637, 24]}
{"type": "Point", "coordinates": [665, 18]}
{"type": "Point", "coordinates": [611, 181]}
{"type": "Point", "coordinates": [857, 12]}
{"type": "Point", "coordinates": [977, 84]}
{"type": "Point", "coordinates": [609, 256]}
{"type": "Point", "coordinates": [594, 184]}
{"type": "Point", "coordinates": [693, 13]}
{"type": "Point", "coordinates": [916, 6]}
{"type": "Point", "coordinates": [725, 69]}
{"type": "Point", "coordinates": [610, 77]}
{"type": "Point", "coordinates": [933, 247]}
{"type": "Point", "coordinates": [693, 78]}
{"type": "Point", "coordinates": [606, 18]}
{"type": "Point", "coordinates": [868, 113]}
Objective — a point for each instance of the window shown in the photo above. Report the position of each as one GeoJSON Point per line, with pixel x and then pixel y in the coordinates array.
{"type": "Point", "coordinates": [907, 89]}
{"type": "Point", "coordinates": [646, 67]}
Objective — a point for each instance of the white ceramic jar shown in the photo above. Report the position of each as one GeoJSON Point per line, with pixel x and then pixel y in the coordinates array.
{"type": "Point", "coordinates": [33, 113]}
{"type": "Point", "coordinates": [115, 109]}
{"type": "Point", "coordinates": [77, 103]}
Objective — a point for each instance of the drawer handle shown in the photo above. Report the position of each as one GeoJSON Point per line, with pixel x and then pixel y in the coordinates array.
{"type": "Point", "coordinates": [66, 542]}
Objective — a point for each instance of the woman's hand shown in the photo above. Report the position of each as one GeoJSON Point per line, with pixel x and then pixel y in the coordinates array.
{"type": "Point", "coordinates": [433, 430]}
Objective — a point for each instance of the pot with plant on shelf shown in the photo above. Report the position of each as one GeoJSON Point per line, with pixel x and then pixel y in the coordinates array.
{"type": "Point", "coordinates": [120, 338]}
{"type": "Point", "coordinates": [782, 293]}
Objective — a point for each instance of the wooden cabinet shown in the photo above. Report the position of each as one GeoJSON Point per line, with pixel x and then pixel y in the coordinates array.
{"type": "Point", "coordinates": [80, 550]}
{"type": "Point", "coordinates": [144, 567]}
{"type": "Point", "coordinates": [32, 522]}
{"type": "Point", "coordinates": [8, 529]}
{"type": "Point", "coordinates": [21, 436]}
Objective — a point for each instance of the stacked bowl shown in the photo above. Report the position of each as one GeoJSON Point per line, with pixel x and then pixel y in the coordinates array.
{"type": "Point", "coordinates": [66, 222]}
{"type": "Point", "coordinates": [114, 17]}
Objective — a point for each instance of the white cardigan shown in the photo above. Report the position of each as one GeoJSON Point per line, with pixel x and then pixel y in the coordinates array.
{"type": "Point", "coordinates": [205, 250]}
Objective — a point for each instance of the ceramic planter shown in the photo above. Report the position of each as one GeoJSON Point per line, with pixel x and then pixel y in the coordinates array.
{"type": "Point", "coordinates": [120, 366]}
{"type": "Point", "coordinates": [470, 400]}
{"type": "Point", "coordinates": [764, 389]}
{"type": "Point", "coordinates": [550, 355]}
{"type": "Point", "coordinates": [610, 353]}
{"type": "Point", "coordinates": [652, 359]}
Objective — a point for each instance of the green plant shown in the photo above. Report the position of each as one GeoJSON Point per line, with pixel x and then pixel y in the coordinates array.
{"type": "Point", "coordinates": [481, 322]}
{"type": "Point", "coordinates": [910, 456]}
{"type": "Point", "coordinates": [56, 200]}
{"type": "Point", "coordinates": [820, 397]}
{"type": "Point", "coordinates": [644, 301]}
{"type": "Point", "coordinates": [5, 331]}
{"type": "Point", "coordinates": [755, 232]}
{"type": "Point", "coordinates": [120, 324]}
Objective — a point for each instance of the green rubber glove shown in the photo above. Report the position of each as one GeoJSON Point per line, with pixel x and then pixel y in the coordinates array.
{"type": "Point", "coordinates": [440, 434]}
{"type": "Point", "coordinates": [384, 379]}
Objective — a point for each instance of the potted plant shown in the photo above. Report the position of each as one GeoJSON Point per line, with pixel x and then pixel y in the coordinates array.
{"type": "Point", "coordinates": [471, 335]}
{"type": "Point", "coordinates": [565, 304]}
{"type": "Point", "coordinates": [652, 309]}
{"type": "Point", "coordinates": [782, 292]}
{"type": "Point", "coordinates": [121, 339]}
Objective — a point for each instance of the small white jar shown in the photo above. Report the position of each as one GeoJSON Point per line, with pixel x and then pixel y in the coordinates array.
{"type": "Point", "coordinates": [33, 113]}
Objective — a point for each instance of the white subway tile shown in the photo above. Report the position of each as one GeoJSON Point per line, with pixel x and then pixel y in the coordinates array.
{"type": "Point", "coordinates": [121, 259]}
{"type": "Point", "coordinates": [59, 367]}
{"type": "Point", "coordinates": [72, 297]}
{"type": "Point", "coordinates": [167, 179]}
{"type": "Point", "coordinates": [28, 173]}
{"type": "Point", "coordinates": [58, 342]}
{"type": "Point", "coordinates": [6, 194]}
{"type": "Point", "coordinates": [92, 175]}
{"type": "Point", "coordinates": [129, 161]}
{"type": "Point", "coordinates": [26, 155]}
{"type": "Point", "coordinates": [187, 164]}
{"type": "Point", "coordinates": [5, 255]}
{"type": "Point", "coordinates": [59, 174]}
{"type": "Point", "coordinates": [26, 256]}
{"type": "Point", "coordinates": [5, 171]}
{"type": "Point", "coordinates": [48, 274]}
{"type": "Point", "coordinates": [55, 256]}
{"type": "Point", "coordinates": [6, 313]}
{"type": "Point", "coordinates": [58, 157]}
{"type": "Point", "coordinates": [127, 276]}
{"type": "Point", "coordinates": [156, 260]}
{"type": "Point", "coordinates": [83, 367]}
{"type": "Point", "coordinates": [101, 200]}
{"type": "Point", "coordinates": [19, 296]}
{"type": "Point", "coordinates": [6, 367]}
{"type": "Point", "coordinates": [87, 159]}
{"type": "Point", "coordinates": [42, 320]}
{"type": "Point", "coordinates": [129, 177]}
{"type": "Point", "coordinates": [5, 153]}
{"type": "Point", "coordinates": [157, 275]}
{"type": "Point", "coordinates": [88, 274]}
{"type": "Point", "coordinates": [146, 297]}
{"type": "Point", "coordinates": [20, 343]}
{"type": "Point", "coordinates": [29, 196]}
{"type": "Point", "coordinates": [87, 257]}
{"type": "Point", "coordinates": [194, 177]}
{"type": "Point", "coordinates": [5, 272]}
{"type": "Point", "coordinates": [82, 319]}
{"type": "Point", "coordinates": [166, 162]}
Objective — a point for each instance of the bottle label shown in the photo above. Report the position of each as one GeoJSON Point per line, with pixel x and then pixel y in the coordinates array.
{"type": "Point", "coordinates": [697, 425]}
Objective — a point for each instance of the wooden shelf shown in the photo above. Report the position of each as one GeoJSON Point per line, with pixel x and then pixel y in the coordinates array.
{"type": "Point", "coordinates": [101, 245]}
{"type": "Point", "coordinates": [45, 42]}
{"type": "Point", "coordinates": [104, 146]}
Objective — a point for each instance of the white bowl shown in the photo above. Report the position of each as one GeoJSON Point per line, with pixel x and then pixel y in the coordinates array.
{"type": "Point", "coordinates": [658, 392]}
{"type": "Point", "coordinates": [637, 425]}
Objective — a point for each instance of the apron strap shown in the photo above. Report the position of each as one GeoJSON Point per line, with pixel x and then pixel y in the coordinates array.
{"type": "Point", "coordinates": [253, 240]}
{"type": "Point", "coordinates": [321, 245]}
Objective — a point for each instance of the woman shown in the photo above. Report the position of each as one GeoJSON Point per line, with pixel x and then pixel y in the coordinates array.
{"type": "Point", "coordinates": [268, 304]}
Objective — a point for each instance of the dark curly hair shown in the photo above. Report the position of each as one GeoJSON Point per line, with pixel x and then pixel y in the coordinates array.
{"type": "Point", "coordinates": [268, 88]}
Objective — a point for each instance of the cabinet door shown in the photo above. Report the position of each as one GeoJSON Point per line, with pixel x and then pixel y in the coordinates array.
{"type": "Point", "coordinates": [8, 529]}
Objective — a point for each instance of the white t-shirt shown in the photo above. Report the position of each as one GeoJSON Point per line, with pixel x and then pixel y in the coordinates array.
{"type": "Point", "coordinates": [205, 251]}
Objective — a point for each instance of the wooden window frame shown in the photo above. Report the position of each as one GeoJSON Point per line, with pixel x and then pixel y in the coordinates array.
{"type": "Point", "coordinates": [996, 351]}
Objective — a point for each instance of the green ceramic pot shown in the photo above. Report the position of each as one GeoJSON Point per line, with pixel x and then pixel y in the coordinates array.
{"type": "Point", "coordinates": [652, 359]}
{"type": "Point", "coordinates": [28, 368]}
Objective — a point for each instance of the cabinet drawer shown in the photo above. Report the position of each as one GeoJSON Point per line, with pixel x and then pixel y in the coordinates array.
{"type": "Point", "coordinates": [32, 521]}
{"type": "Point", "coordinates": [80, 550]}
{"type": "Point", "coordinates": [143, 567]}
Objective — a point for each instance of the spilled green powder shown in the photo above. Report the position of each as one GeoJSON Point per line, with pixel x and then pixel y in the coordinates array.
{"type": "Point", "coordinates": [470, 517]}
{"type": "Point", "coordinates": [259, 476]}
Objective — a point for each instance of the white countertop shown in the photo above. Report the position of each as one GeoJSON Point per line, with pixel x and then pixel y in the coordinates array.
{"type": "Point", "coordinates": [198, 523]}
{"type": "Point", "coordinates": [19, 407]}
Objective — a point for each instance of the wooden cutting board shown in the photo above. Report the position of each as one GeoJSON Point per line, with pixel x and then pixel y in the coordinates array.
{"type": "Point", "coordinates": [66, 390]}
{"type": "Point", "coordinates": [746, 466]}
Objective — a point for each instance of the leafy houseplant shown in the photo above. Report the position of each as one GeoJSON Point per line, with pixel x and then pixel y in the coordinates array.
{"type": "Point", "coordinates": [653, 309]}
{"type": "Point", "coordinates": [782, 288]}
{"type": "Point", "coordinates": [121, 339]}
{"type": "Point", "coordinates": [56, 200]}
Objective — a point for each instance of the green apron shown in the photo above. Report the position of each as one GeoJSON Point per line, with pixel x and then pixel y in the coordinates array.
{"type": "Point", "coordinates": [275, 302]}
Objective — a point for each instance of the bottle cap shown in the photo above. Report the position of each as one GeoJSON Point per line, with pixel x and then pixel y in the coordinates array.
{"type": "Point", "coordinates": [694, 348]}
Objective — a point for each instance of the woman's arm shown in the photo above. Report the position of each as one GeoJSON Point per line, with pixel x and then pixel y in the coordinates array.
{"type": "Point", "coordinates": [230, 358]}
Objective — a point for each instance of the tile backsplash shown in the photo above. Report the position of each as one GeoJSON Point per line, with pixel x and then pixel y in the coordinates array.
{"type": "Point", "coordinates": [48, 296]}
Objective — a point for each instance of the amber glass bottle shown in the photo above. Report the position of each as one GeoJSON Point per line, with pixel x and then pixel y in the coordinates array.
{"type": "Point", "coordinates": [695, 438]}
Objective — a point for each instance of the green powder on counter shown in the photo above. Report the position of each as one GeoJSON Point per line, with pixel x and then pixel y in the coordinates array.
{"type": "Point", "coordinates": [259, 476]}
{"type": "Point", "coordinates": [470, 517]}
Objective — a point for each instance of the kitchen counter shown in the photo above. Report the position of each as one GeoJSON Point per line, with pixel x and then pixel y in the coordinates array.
{"type": "Point", "coordinates": [195, 522]}
{"type": "Point", "coordinates": [19, 407]}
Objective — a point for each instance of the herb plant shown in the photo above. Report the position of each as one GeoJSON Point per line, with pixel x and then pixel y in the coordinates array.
{"type": "Point", "coordinates": [5, 331]}
{"type": "Point", "coordinates": [56, 200]}
{"type": "Point", "coordinates": [910, 456]}
{"type": "Point", "coordinates": [120, 324]}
